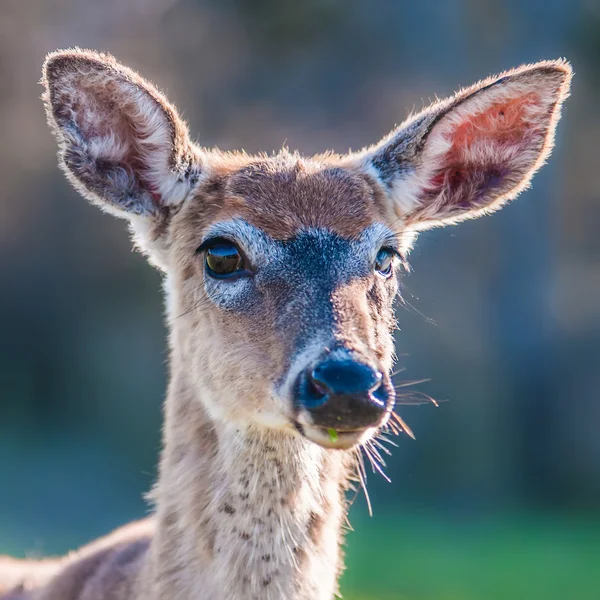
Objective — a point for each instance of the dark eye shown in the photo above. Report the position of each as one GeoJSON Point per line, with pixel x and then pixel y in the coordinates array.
{"type": "Point", "coordinates": [222, 259]}
{"type": "Point", "coordinates": [383, 262]}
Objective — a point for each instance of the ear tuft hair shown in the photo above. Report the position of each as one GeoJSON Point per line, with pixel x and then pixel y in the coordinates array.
{"type": "Point", "coordinates": [121, 143]}
{"type": "Point", "coordinates": [469, 154]}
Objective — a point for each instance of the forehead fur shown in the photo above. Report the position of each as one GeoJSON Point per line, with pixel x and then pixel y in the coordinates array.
{"type": "Point", "coordinates": [285, 193]}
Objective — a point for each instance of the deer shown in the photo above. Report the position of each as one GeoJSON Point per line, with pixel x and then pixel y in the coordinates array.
{"type": "Point", "coordinates": [280, 276]}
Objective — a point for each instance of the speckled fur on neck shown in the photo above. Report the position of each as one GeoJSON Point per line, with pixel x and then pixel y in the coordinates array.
{"type": "Point", "coordinates": [247, 515]}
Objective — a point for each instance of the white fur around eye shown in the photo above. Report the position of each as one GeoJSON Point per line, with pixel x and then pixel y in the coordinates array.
{"type": "Point", "coordinates": [232, 294]}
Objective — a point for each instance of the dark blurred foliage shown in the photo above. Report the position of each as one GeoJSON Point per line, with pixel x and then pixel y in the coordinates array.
{"type": "Point", "coordinates": [503, 313]}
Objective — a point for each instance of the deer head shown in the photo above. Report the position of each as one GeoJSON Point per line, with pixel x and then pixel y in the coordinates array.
{"type": "Point", "coordinates": [281, 271]}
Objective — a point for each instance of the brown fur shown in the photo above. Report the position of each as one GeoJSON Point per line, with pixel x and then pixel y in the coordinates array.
{"type": "Point", "coordinates": [246, 508]}
{"type": "Point", "coordinates": [283, 195]}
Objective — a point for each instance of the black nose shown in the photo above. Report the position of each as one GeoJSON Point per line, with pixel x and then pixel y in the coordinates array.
{"type": "Point", "coordinates": [343, 394]}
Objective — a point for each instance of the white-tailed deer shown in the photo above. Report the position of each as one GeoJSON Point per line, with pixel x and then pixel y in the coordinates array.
{"type": "Point", "coordinates": [280, 276]}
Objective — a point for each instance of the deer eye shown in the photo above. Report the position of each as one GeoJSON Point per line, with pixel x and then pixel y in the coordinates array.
{"type": "Point", "coordinates": [383, 262]}
{"type": "Point", "coordinates": [222, 258]}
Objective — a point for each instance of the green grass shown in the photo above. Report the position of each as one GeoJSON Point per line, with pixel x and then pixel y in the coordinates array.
{"type": "Point", "coordinates": [424, 558]}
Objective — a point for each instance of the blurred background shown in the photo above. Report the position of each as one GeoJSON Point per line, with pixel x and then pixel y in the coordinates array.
{"type": "Point", "coordinates": [499, 497]}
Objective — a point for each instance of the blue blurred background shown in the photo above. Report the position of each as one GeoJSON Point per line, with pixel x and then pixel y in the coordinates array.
{"type": "Point", "coordinates": [499, 497]}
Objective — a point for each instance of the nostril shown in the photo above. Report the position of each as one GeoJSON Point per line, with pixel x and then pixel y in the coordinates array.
{"type": "Point", "coordinates": [318, 385]}
{"type": "Point", "coordinates": [377, 381]}
{"type": "Point", "coordinates": [380, 393]}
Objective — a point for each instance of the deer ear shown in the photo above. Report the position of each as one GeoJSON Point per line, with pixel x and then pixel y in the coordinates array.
{"type": "Point", "coordinates": [468, 155]}
{"type": "Point", "coordinates": [121, 143]}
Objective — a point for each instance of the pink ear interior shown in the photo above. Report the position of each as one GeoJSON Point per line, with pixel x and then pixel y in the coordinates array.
{"type": "Point", "coordinates": [488, 150]}
{"type": "Point", "coordinates": [503, 122]}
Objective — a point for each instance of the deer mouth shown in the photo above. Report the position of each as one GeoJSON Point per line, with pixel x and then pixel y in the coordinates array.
{"type": "Point", "coordinates": [331, 438]}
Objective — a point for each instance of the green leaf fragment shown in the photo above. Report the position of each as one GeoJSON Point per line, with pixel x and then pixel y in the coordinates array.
{"type": "Point", "coordinates": [333, 435]}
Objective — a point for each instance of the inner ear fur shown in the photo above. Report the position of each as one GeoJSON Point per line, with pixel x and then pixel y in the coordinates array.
{"type": "Point", "coordinates": [121, 143]}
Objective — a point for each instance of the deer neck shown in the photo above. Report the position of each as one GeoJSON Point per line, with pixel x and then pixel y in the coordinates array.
{"type": "Point", "coordinates": [244, 513]}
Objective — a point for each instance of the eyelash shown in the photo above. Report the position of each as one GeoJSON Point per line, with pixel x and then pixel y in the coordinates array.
{"type": "Point", "coordinates": [208, 243]}
{"type": "Point", "coordinates": [393, 250]}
